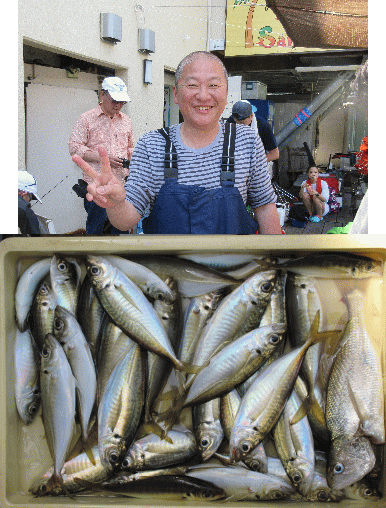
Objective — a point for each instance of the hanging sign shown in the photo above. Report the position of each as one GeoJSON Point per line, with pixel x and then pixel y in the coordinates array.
{"type": "Point", "coordinates": [252, 28]}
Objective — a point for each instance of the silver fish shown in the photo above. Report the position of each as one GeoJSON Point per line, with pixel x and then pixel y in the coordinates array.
{"type": "Point", "coordinates": [90, 315]}
{"type": "Point", "coordinates": [234, 363]}
{"type": "Point", "coordinates": [355, 403]}
{"type": "Point", "coordinates": [207, 427]}
{"type": "Point", "coordinates": [151, 285]}
{"type": "Point", "coordinates": [152, 452]}
{"type": "Point", "coordinates": [69, 334]}
{"type": "Point", "coordinates": [65, 281]}
{"type": "Point", "coordinates": [58, 387]}
{"type": "Point", "coordinates": [242, 484]}
{"type": "Point", "coordinates": [27, 367]}
{"type": "Point", "coordinates": [121, 407]}
{"type": "Point", "coordinates": [129, 308]}
{"type": "Point", "coordinates": [230, 316]}
{"type": "Point", "coordinates": [167, 487]}
{"type": "Point", "coordinates": [257, 460]}
{"type": "Point", "coordinates": [193, 279]}
{"type": "Point", "coordinates": [42, 312]}
{"type": "Point", "coordinates": [26, 289]}
{"type": "Point", "coordinates": [74, 471]}
{"type": "Point", "coordinates": [334, 266]}
{"type": "Point", "coordinates": [295, 446]}
{"type": "Point", "coordinates": [262, 404]}
{"type": "Point", "coordinates": [114, 344]}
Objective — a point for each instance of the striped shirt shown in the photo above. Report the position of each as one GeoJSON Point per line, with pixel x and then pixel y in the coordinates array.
{"type": "Point", "coordinates": [94, 128]}
{"type": "Point", "coordinates": [199, 166]}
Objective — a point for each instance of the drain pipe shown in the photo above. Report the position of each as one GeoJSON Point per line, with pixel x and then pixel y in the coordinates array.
{"type": "Point", "coordinates": [305, 114]}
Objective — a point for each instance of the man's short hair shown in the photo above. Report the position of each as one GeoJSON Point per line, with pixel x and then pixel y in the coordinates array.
{"type": "Point", "coordinates": [193, 56]}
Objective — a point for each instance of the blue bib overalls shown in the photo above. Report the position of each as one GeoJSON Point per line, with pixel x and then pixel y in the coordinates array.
{"type": "Point", "coordinates": [191, 209]}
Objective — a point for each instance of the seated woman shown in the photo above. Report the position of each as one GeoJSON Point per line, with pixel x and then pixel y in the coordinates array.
{"type": "Point", "coordinates": [314, 193]}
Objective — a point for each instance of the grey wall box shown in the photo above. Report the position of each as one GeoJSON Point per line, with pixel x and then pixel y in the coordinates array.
{"type": "Point", "coordinates": [146, 40]}
{"type": "Point", "coordinates": [111, 27]}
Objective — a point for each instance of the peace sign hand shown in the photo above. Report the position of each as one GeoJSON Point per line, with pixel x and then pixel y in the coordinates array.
{"type": "Point", "coordinates": [106, 190]}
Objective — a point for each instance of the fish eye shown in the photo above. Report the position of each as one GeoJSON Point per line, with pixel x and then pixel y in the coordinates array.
{"type": "Point", "coordinates": [206, 494]}
{"type": "Point", "coordinates": [297, 477]}
{"type": "Point", "coordinates": [125, 463]}
{"type": "Point", "coordinates": [369, 268]}
{"type": "Point", "coordinates": [58, 324]}
{"type": "Point", "coordinates": [303, 286]}
{"type": "Point", "coordinates": [338, 468]}
{"type": "Point", "coordinates": [62, 266]}
{"type": "Point", "coordinates": [94, 270]}
{"type": "Point", "coordinates": [278, 495]}
{"type": "Point", "coordinates": [32, 409]}
{"type": "Point", "coordinates": [206, 307]}
{"type": "Point", "coordinates": [368, 492]}
{"type": "Point", "coordinates": [255, 465]}
{"type": "Point", "coordinates": [113, 458]}
{"type": "Point", "coordinates": [258, 352]}
{"type": "Point", "coordinates": [266, 287]}
{"type": "Point", "coordinates": [245, 447]}
{"type": "Point", "coordinates": [159, 296]}
{"type": "Point", "coordinates": [204, 443]}
{"type": "Point", "coordinates": [36, 391]}
{"type": "Point", "coordinates": [322, 496]}
{"type": "Point", "coordinates": [274, 339]}
{"type": "Point", "coordinates": [45, 352]}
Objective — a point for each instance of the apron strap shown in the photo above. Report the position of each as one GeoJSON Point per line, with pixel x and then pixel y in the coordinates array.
{"type": "Point", "coordinates": [228, 157]}
{"type": "Point", "coordinates": [170, 161]}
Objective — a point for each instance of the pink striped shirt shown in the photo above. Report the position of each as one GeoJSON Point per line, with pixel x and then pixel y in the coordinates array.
{"type": "Point", "coordinates": [94, 128]}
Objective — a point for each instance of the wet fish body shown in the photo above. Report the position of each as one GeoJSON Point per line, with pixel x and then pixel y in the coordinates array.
{"type": "Point", "coordinates": [27, 376]}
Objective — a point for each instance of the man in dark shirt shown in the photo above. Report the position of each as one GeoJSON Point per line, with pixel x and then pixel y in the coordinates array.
{"type": "Point", "coordinates": [244, 112]}
{"type": "Point", "coordinates": [27, 191]}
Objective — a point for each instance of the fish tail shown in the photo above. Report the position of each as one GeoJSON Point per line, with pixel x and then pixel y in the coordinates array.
{"type": "Point", "coordinates": [87, 448]}
{"type": "Point", "coordinates": [315, 336]}
{"type": "Point", "coordinates": [155, 428]}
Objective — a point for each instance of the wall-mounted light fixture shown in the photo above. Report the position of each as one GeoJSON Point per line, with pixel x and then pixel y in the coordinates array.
{"type": "Point", "coordinates": [147, 74]}
{"type": "Point", "coordinates": [146, 40]}
{"type": "Point", "coordinates": [111, 27]}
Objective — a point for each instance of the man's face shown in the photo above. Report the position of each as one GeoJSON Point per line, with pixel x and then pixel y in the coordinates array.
{"type": "Point", "coordinates": [109, 105]}
{"type": "Point", "coordinates": [201, 93]}
{"type": "Point", "coordinates": [246, 121]}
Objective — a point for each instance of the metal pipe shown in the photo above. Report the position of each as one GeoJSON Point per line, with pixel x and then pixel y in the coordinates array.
{"type": "Point", "coordinates": [317, 112]}
{"type": "Point", "coordinates": [306, 112]}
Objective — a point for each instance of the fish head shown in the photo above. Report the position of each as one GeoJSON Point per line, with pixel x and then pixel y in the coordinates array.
{"type": "Point", "coordinates": [349, 461]}
{"type": "Point", "coordinates": [100, 271]}
{"type": "Point", "coordinates": [301, 473]}
{"type": "Point", "coordinates": [111, 450]}
{"type": "Point", "coordinates": [209, 492]}
{"type": "Point", "coordinates": [45, 296]}
{"type": "Point", "coordinates": [62, 269]}
{"type": "Point", "coordinates": [209, 438]}
{"type": "Point", "coordinates": [257, 460]}
{"type": "Point", "coordinates": [261, 285]}
{"type": "Point", "coordinates": [364, 268]}
{"type": "Point", "coordinates": [28, 403]}
{"type": "Point", "coordinates": [61, 325]}
{"type": "Point", "coordinates": [244, 439]}
{"type": "Point", "coordinates": [134, 459]}
{"type": "Point", "coordinates": [362, 490]}
{"type": "Point", "coordinates": [51, 354]}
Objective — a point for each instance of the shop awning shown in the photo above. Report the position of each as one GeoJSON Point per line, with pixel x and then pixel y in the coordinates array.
{"type": "Point", "coordinates": [324, 23]}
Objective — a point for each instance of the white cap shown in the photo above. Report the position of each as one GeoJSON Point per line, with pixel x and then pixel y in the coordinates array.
{"type": "Point", "coordinates": [116, 88]}
{"type": "Point", "coordinates": [27, 183]}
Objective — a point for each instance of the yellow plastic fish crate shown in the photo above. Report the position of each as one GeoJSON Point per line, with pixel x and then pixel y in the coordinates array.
{"type": "Point", "coordinates": [23, 450]}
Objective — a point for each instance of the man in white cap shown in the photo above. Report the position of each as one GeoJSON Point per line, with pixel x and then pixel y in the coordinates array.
{"type": "Point", "coordinates": [106, 125]}
{"type": "Point", "coordinates": [27, 191]}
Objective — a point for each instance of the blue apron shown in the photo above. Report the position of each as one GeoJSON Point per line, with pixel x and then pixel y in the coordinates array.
{"type": "Point", "coordinates": [191, 209]}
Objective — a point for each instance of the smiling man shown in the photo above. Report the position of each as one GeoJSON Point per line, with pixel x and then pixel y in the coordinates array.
{"type": "Point", "coordinates": [196, 177]}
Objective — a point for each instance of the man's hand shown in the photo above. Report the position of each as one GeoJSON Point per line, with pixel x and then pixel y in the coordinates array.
{"type": "Point", "coordinates": [106, 190]}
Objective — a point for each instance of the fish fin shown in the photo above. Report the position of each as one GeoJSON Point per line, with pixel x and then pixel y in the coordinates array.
{"type": "Point", "coordinates": [88, 451]}
{"type": "Point", "coordinates": [192, 369]}
{"type": "Point", "coordinates": [169, 395]}
{"type": "Point", "coordinates": [301, 412]}
{"type": "Point", "coordinates": [154, 428]}
{"type": "Point", "coordinates": [55, 481]}
{"type": "Point", "coordinates": [315, 336]}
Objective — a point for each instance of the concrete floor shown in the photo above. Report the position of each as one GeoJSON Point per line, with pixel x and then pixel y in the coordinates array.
{"type": "Point", "coordinates": [345, 215]}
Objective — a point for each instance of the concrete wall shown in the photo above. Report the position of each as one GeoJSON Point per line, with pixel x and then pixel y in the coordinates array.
{"type": "Point", "coordinates": [72, 28]}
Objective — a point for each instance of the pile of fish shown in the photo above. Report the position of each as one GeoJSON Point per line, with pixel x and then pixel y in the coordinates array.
{"type": "Point", "coordinates": [200, 377]}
